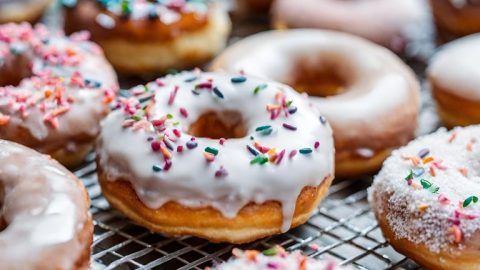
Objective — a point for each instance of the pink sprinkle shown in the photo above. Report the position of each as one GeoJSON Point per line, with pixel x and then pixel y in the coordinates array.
{"type": "Point", "coordinates": [222, 141]}
{"type": "Point", "coordinates": [173, 94]}
{"type": "Point", "coordinates": [292, 153]}
{"type": "Point", "coordinates": [155, 146]}
{"type": "Point", "coordinates": [314, 246]}
{"type": "Point", "coordinates": [221, 172]}
{"type": "Point", "coordinates": [159, 82]}
{"type": "Point", "coordinates": [461, 215]}
{"type": "Point", "coordinates": [273, 265]}
{"type": "Point", "coordinates": [184, 112]}
{"type": "Point", "coordinates": [330, 266]}
{"type": "Point", "coordinates": [443, 199]}
{"type": "Point", "coordinates": [209, 157]}
{"type": "Point", "coordinates": [180, 148]}
{"type": "Point", "coordinates": [280, 156]}
{"type": "Point", "coordinates": [316, 145]}
{"type": "Point", "coordinates": [177, 133]}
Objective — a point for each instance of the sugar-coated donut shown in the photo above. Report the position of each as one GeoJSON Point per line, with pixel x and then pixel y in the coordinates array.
{"type": "Point", "coordinates": [44, 220]}
{"type": "Point", "coordinates": [455, 18]}
{"type": "Point", "coordinates": [226, 158]}
{"type": "Point", "coordinates": [274, 258]}
{"type": "Point", "coordinates": [141, 36]}
{"type": "Point", "coordinates": [426, 199]}
{"type": "Point", "coordinates": [390, 23]}
{"type": "Point", "coordinates": [454, 76]}
{"type": "Point", "coordinates": [54, 90]}
{"type": "Point", "coordinates": [22, 10]}
{"type": "Point", "coordinates": [369, 96]}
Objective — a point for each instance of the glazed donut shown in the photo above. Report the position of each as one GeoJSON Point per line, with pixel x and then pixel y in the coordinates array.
{"type": "Point", "coordinates": [425, 199]}
{"type": "Point", "coordinates": [454, 78]}
{"type": "Point", "coordinates": [274, 258]}
{"type": "Point", "coordinates": [22, 10]}
{"type": "Point", "coordinates": [213, 156]}
{"type": "Point", "coordinates": [45, 223]}
{"type": "Point", "coordinates": [369, 96]}
{"type": "Point", "coordinates": [54, 90]}
{"type": "Point", "coordinates": [455, 18]}
{"type": "Point", "coordinates": [141, 36]}
{"type": "Point", "coordinates": [390, 23]}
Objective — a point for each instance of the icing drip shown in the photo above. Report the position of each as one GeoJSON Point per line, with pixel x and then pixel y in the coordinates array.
{"type": "Point", "coordinates": [274, 258]}
{"type": "Point", "coordinates": [434, 182]}
{"type": "Point", "coordinates": [44, 208]}
{"type": "Point", "coordinates": [150, 144]}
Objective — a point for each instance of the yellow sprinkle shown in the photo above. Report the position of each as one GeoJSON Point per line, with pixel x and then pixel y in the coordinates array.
{"type": "Point", "coordinates": [427, 159]}
{"type": "Point", "coordinates": [432, 171]}
{"type": "Point", "coordinates": [423, 207]}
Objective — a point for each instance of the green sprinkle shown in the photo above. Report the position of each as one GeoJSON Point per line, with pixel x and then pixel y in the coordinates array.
{"type": "Point", "coordinates": [260, 159]}
{"type": "Point", "coordinates": [434, 189]}
{"type": "Point", "coordinates": [136, 118]}
{"type": "Point", "coordinates": [176, 123]}
{"type": "Point", "coordinates": [305, 151]}
{"type": "Point", "coordinates": [270, 252]}
{"type": "Point", "coordinates": [169, 116]}
{"type": "Point", "coordinates": [211, 150]}
{"type": "Point", "coordinates": [264, 130]}
{"type": "Point", "coordinates": [289, 103]}
{"type": "Point", "coordinates": [259, 88]}
{"type": "Point", "coordinates": [425, 183]}
{"type": "Point", "coordinates": [409, 176]}
{"type": "Point", "coordinates": [156, 168]}
{"type": "Point", "coordinates": [469, 200]}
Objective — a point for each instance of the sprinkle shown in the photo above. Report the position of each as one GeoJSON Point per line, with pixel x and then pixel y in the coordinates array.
{"type": "Point", "coordinates": [252, 151]}
{"type": "Point", "coordinates": [172, 96]}
{"type": "Point", "coordinates": [463, 171]}
{"type": "Point", "coordinates": [259, 88]}
{"type": "Point", "coordinates": [166, 154]}
{"type": "Point", "coordinates": [452, 137]}
{"type": "Point", "coordinates": [221, 141]}
{"type": "Point", "coordinates": [264, 130]}
{"type": "Point", "coordinates": [168, 144]}
{"type": "Point", "coordinates": [305, 151]}
{"type": "Point", "coordinates": [292, 110]}
{"type": "Point", "coordinates": [427, 159]}
{"type": "Point", "coordinates": [159, 82]}
{"type": "Point", "coordinates": [209, 157]}
{"type": "Point", "coordinates": [469, 200]}
{"type": "Point", "coordinates": [239, 79]}
{"type": "Point", "coordinates": [251, 255]}
{"type": "Point", "coordinates": [425, 183]}
{"type": "Point", "coordinates": [155, 146]}
{"type": "Point", "coordinates": [221, 172]}
{"type": "Point", "coordinates": [289, 127]}
{"type": "Point", "coordinates": [192, 144]}
{"type": "Point", "coordinates": [443, 199]}
{"type": "Point", "coordinates": [280, 156]}
{"type": "Point", "coordinates": [457, 233]}
{"type": "Point", "coordinates": [323, 120]}
{"type": "Point", "coordinates": [270, 252]}
{"type": "Point", "coordinates": [192, 79]}
{"type": "Point", "coordinates": [156, 168]}
{"type": "Point", "coordinates": [423, 207]}
{"type": "Point", "coordinates": [167, 165]}
{"type": "Point", "coordinates": [218, 93]}
{"type": "Point", "coordinates": [177, 133]}
{"type": "Point", "coordinates": [211, 150]}
{"type": "Point", "coordinates": [417, 172]}
{"type": "Point", "coordinates": [409, 176]}
{"type": "Point", "coordinates": [316, 145]}
{"type": "Point", "coordinates": [4, 119]}
{"type": "Point", "coordinates": [184, 112]}
{"type": "Point", "coordinates": [180, 148]}
{"type": "Point", "coordinates": [292, 153]}
{"type": "Point", "coordinates": [432, 171]}
{"type": "Point", "coordinates": [260, 159]}
{"type": "Point", "coordinates": [423, 153]}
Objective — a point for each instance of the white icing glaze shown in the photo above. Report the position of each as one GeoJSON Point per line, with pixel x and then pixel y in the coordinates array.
{"type": "Point", "coordinates": [382, 21]}
{"type": "Point", "coordinates": [44, 207]}
{"type": "Point", "coordinates": [76, 56]}
{"type": "Point", "coordinates": [253, 260]}
{"type": "Point", "coordinates": [191, 179]}
{"type": "Point", "coordinates": [457, 178]}
{"type": "Point", "coordinates": [381, 84]}
{"type": "Point", "coordinates": [455, 67]}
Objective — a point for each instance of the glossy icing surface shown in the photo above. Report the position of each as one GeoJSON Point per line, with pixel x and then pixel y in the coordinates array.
{"type": "Point", "coordinates": [434, 184]}
{"type": "Point", "coordinates": [64, 92]}
{"type": "Point", "coordinates": [455, 67]}
{"type": "Point", "coordinates": [286, 146]}
{"type": "Point", "coordinates": [44, 207]}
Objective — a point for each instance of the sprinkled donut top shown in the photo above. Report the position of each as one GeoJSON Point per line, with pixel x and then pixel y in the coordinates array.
{"type": "Point", "coordinates": [275, 258]}
{"type": "Point", "coordinates": [435, 181]}
{"type": "Point", "coordinates": [66, 78]}
{"type": "Point", "coordinates": [285, 148]}
{"type": "Point", "coordinates": [166, 11]}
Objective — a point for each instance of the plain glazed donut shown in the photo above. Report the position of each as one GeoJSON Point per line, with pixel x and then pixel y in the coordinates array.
{"type": "Point", "coordinates": [54, 90]}
{"type": "Point", "coordinates": [141, 36]}
{"type": "Point", "coordinates": [224, 158]}
{"type": "Point", "coordinates": [455, 18]}
{"type": "Point", "coordinates": [454, 76]}
{"type": "Point", "coordinates": [44, 218]}
{"type": "Point", "coordinates": [390, 23]}
{"type": "Point", "coordinates": [274, 258]}
{"type": "Point", "coordinates": [426, 199]}
{"type": "Point", "coordinates": [22, 10]}
{"type": "Point", "coordinates": [369, 96]}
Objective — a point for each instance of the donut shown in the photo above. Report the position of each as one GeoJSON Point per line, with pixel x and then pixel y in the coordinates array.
{"type": "Point", "coordinates": [44, 220]}
{"type": "Point", "coordinates": [226, 158]}
{"type": "Point", "coordinates": [390, 23]}
{"type": "Point", "coordinates": [425, 199]}
{"type": "Point", "coordinates": [369, 96]}
{"type": "Point", "coordinates": [455, 18]}
{"type": "Point", "coordinates": [147, 37]}
{"type": "Point", "coordinates": [22, 10]}
{"type": "Point", "coordinates": [54, 90]}
{"type": "Point", "coordinates": [274, 258]}
{"type": "Point", "coordinates": [453, 76]}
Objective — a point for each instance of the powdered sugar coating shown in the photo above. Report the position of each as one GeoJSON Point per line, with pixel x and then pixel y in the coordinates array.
{"type": "Point", "coordinates": [434, 202]}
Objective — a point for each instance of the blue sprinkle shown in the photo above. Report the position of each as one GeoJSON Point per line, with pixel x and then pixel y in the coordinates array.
{"type": "Point", "coordinates": [292, 110]}
{"type": "Point", "coordinates": [156, 168]}
{"type": "Point", "coordinates": [217, 92]}
{"type": "Point", "coordinates": [323, 120]}
{"type": "Point", "coordinates": [423, 153]}
{"type": "Point", "coordinates": [192, 79]}
{"type": "Point", "coordinates": [192, 144]}
{"type": "Point", "coordinates": [239, 79]}
{"type": "Point", "coordinates": [417, 172]}
{"type": "Point", "coordinates": [253, 151]}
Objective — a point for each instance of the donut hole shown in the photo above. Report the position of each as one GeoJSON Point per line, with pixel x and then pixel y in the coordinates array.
{"type": "Point", "coordinates": [321, 77]}
{"type": "Point", "coordinates": [219, 124]}
{"type": "Point", "coordinates": [15, 69]}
